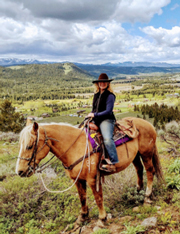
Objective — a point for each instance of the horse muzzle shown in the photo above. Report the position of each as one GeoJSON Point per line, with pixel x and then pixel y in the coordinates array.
{"type": "Point", "coordinates": [29, 172]}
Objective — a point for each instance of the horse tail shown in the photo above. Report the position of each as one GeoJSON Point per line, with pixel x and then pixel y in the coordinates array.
{"type": "Point", "coordinates": [157, 165]}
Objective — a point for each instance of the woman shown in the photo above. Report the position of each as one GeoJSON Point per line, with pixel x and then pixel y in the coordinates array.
{"type": "Point", "coordinates": [102, 114]}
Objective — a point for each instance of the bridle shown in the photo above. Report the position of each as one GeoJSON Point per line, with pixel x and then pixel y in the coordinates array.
{"type": "Point", "coordinates": [35, 152]}
{"type": "Point", "coordinates": [36, 168]}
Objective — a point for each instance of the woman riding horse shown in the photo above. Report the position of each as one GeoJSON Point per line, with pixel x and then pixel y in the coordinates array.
{"type": "Point", "coordinates": [68, 143]}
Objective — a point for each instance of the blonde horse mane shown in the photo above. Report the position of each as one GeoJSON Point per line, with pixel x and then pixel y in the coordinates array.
{"type": "Point", "coordinates": [26, 134]}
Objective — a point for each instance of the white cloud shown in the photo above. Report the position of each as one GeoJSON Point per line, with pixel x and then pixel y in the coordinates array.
{"type": "Point", "coordinates": [166, 37]}
{"type": "Point", "coordinates": [139, 10]}
{"type": "Point", "coordinates": [83, 31]}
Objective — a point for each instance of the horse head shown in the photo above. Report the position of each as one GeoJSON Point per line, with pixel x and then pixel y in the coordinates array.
{"type": "Point", "coordinates": [33, 148]}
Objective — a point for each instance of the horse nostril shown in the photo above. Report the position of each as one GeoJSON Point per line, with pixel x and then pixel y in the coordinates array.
{"type": "Point", "coordinates": [20, 173]}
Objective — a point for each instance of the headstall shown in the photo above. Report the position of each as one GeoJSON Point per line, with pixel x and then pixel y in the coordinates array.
{"type": "Point", "coordinates": [35, 152]}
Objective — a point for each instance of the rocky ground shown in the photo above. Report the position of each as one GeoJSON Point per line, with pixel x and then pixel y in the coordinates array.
{"type": "Point", "coordinates": [132, 224]}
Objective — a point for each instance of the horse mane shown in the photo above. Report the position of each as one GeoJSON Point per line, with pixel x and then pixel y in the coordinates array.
{"type": "Point", "coordinates": [26, 134]}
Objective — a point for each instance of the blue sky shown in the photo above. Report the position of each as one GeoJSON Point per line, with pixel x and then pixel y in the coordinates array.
{"type": "Point", "coordinates": [91, 31]}
{"type": "Point", "coordinates": [169, 18]}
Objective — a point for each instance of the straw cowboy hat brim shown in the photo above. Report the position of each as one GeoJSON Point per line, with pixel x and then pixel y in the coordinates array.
{"type": "Point", "coordinates": [103, 78]}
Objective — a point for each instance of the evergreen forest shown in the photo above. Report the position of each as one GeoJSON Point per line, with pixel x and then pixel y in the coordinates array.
{"type": "Point", "coordinates": [43, 81]}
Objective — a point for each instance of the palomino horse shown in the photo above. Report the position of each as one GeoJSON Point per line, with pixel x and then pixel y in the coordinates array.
{"type": "Point", "coordinates": [37, 140]}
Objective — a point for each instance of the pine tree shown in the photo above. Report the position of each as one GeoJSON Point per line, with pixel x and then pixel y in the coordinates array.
{"type": "Point", "coordinates": [9, 119]}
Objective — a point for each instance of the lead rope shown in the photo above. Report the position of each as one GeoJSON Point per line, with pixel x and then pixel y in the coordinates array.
{"type": "Point", "coordinates": [86, 148]}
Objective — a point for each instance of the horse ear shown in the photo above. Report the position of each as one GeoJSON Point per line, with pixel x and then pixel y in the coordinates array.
{"type": "Point", "coordinates": [35, 127]}
{"type": "Point", "coordinates": [28, 122]}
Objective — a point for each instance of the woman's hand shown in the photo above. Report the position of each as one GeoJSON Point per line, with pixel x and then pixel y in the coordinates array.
{"type": "Point", "coordinates": [90, 115]}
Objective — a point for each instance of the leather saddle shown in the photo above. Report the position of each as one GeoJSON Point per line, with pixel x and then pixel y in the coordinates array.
{"type": "Point", "coordinates": [94, 130]}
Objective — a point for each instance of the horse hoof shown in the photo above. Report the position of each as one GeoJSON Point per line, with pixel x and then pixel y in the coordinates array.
{"type": "Point", "coordinates": [105, 219]}
{"type": "Point", "coordinates": [147, 200]}
{"type": "Point", "coordinates": [139, 188]}
{"type": "Point", "coordinates": [82, 218]}
{"type": "Point", "coordinates": [100, 223]}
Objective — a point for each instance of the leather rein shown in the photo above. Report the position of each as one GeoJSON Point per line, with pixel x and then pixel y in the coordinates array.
{"type": "Point", "coordinates": [36, 167]}
{"type": "Point", "coordinates": [35, 152]}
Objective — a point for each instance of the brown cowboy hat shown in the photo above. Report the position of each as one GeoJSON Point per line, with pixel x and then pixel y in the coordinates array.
{"type": "Point", "coordinates": [103, 78]}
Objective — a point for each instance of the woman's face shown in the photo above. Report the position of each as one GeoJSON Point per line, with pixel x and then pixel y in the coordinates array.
{"type": "Point", "coordinates": [103, 85]}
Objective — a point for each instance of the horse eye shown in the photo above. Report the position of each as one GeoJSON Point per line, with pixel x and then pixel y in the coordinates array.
{"type": "Point", "coordinates": [29, 147]}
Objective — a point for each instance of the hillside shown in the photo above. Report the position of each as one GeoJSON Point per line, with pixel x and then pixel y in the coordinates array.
{"type": "Point", "coordinates": [66, 71]}
{"type": "Point", "coordinates": [114, 71]}
{"type": "Point", "coordinates": [63, 80]}
{"type": "Point", "coordinates": [29, 80]}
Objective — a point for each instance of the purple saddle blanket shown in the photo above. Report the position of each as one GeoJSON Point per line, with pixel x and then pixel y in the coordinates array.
{"type": "Point", "coordinates": [119, 138]}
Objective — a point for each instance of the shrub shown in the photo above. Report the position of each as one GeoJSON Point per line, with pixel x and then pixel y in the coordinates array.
{"type": "Point", "coordinates": [9, 136]}
{"type": "Point", "coordinates": [9, 119]}
{"type": "Point", "coordinates": [171, 135]}
{"type": "Point", "coordinates": [175, 167]}
{"type": "Point", "coordinates": [27, 205]}
{"type": "Point", "coordinates": [173, 181]}
{"type": "Point", "coordinates": [133, 230]}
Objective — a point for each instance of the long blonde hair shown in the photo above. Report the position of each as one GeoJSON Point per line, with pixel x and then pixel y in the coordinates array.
{"type": "Point", "coordinates": [96, 88]}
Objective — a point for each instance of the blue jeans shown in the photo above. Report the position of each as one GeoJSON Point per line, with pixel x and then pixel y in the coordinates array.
{"type": "Point", "coordinates": [107, 128]}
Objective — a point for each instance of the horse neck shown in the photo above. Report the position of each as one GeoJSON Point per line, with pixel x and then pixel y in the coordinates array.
{"type": "Point", "coordinates": [68, 142]}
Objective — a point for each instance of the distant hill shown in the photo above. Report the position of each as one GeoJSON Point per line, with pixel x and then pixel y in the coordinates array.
{"type": "Point", "coordinates": [45, 81]}
{"type": "Point", "coordinates": [92, 70]}
{"type": "Point", "coordinates": [115, 70]}
{"type": "Point", "coordinates": [62, 71]}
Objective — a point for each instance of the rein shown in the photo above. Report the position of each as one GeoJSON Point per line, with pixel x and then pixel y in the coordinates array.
{"type": "Point", "coordinates": [40, 169]}
{"type": "Point", "coordinates": [86, 155]}
{"type": "Point", "coordinates": [35, 152]}
{"type": "Point", "coordinates": [44, 166]}
{"type": "Point", "coordinates": [66, 167]}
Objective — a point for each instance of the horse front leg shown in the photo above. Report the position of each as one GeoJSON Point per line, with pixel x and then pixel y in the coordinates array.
{"type": "Point", "coordinates": [81, 187]}
{"type": "Point", "coordinates": [98, 195]}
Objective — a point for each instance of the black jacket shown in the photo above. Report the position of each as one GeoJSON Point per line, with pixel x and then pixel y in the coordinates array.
{"type": "Point", "coordinates": [100, 105]}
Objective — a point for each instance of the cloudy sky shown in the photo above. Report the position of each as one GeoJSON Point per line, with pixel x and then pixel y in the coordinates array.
{"type": "Point", "coordinates": [91, 31]}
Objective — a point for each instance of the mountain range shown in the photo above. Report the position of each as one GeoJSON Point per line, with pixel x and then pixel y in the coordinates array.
{"type": "Point", "coordinates": [15, 61]}
{"type": "Point", "coordinates": [112, 69]}
{"type": "Point", "coordinates": [5, 62]}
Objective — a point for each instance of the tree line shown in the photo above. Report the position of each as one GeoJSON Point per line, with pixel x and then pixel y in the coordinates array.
{"type": "Point", "coordinates": [161, 114]}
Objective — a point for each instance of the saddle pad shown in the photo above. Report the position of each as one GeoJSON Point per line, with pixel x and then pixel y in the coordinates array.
{"type": "Point", "coordinates": [119, 139]}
